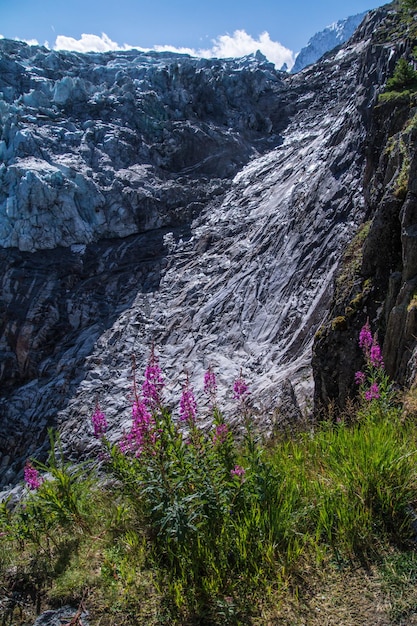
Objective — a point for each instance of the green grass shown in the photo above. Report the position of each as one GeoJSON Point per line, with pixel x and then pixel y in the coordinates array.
{"type": "Point", "coordinates": [205, 548]}
{"type": "Point", "coordinates": [402, 97]}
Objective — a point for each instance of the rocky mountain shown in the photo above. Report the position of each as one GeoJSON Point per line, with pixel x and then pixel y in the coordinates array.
{"type": "Point", "coordinates": [377, 276]}
{"type": "Point", "coordinates": [332, 36]}
{"type": "Point", "coordinates": [200, 206]}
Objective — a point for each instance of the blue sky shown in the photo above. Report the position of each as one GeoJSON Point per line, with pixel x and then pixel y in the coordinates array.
{"type": "Point", "coordinates": [215, 28]}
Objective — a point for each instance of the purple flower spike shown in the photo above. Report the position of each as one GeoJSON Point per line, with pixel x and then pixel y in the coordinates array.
{"type": "Point", "coordinates": [143, 430]}
{"type": "Point", "coordinates": [375, 356]}
{"type": "Point", "coordinates": [238, 471]}
{"type": "Point", "coordinates": [188, 405]}
{"type": "Point", "coordinates": [99, 422]}
{"type": "Point", "coordinates": [365, 337]}
{"type": "Point", "coordinates": [372, 393]}
{"type": "Point", "coordinates": [240, 389]}
{"type": "Point", "coordinates": [210, 384]}
{"type": "Point", "coordinates": [220, 434]}
{"type": "Point", "coordinates": [140, 413]}
{"type": "Point", "coordinates": [153, 383]}
{"type": "Point", "coordinates": [359, 378]}
{"type": "Point", "coordinates": [32, 477]}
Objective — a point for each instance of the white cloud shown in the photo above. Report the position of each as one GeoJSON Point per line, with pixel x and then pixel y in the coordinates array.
{"type": "Point", "coordinates": [240, 44]}
{"type": "Point", "coordinates": [88, 43]}
{"type": "Point", "coordinates": [31, 42]}
{"type": "Point", "coordinates": [167, 48]}
{"type": "Point", "coordinates": [225, 46]}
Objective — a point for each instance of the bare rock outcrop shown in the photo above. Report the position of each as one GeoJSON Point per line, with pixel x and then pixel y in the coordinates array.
{"type": "Point", "coordinates": [377, 278]}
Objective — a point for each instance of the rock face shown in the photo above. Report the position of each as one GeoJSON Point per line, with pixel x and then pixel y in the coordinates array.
{"type": "Point", "coordinates": [334, 35]}
{"type": "Point", "coordinates": [377, 278]}
{"type": "Point", "coordinates": [202, 206]}
{"type": "Point", "coordinates": [64, 615]}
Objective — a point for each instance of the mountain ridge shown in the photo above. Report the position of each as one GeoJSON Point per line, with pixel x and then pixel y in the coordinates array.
{"type": "Point", "coordinates": [326, 40]}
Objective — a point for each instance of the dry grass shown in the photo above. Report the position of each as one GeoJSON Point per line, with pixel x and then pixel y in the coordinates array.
{"type": "Point", "coordinates": [409, 401]}
{"type": "Point", "coordinates": [351, 596]}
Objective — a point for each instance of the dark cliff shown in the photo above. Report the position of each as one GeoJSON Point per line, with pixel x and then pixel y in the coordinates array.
{"type": "Point", "coordinates": [200, 205]}
{"type": "Point", "coordinates": [377, 277]}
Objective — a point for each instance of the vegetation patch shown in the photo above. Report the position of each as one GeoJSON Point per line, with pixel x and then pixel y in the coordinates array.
{"type": "Point", "coordinates": [401, 183]}
{"type": "Point", "coordinates": [396, 97]}
{"type": "Point", "coordinates": [404, 77]}
{"type": "Point", "coordinates": [182, 525]}
{"type": "Point", "coordinates": [339, 323]}
{"type": "Point", "coordinates": [351, 264]}
{"type": "Point", "coordinates": [413, 303]}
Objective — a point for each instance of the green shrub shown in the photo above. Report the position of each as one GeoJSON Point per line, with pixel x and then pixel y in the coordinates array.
{"type": "Point", "coordinates": [409, 4]}
{"type": "Point", "coordinates": [405, 76]}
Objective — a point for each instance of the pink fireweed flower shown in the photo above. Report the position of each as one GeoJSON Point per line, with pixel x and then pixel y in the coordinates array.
{"type": "Point", "coordinates": [153, 383]}
{"type": "Point", "coordinates": [140, 414]}
{"type": "Point", "coordinates": [99, 422]}
{"type": "Point", "coordinates": [220, 434]}
{"type": "Point", "coordinates": [360, 378]}
{"type": "Point", "coordinates": [375, 356]}
{"type": "Point", "coordinates": [240, 389]}
{"type": "Point", "coordinates": [372, 393]}
{"type": "Point", "coordinates": [124, 445]}
{"type": "Point", "coordinates": [238, 471]}
{"type": "Point", "coordinates": [188, 405]}
{"type": "Point", "coordinates": [210, 384]}
{"type": "Point", "coordinates": [365, 337]}
{"type": "Point", "coordinates": [32, 477]}
{"type": "Point", "coordinates": [143, 431]}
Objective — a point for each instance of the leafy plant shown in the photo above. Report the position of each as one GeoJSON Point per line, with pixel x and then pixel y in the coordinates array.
{"type": "Point", "coordinates": [405, 76]}
{"type": "Point", "coordinates": [409, 4]}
